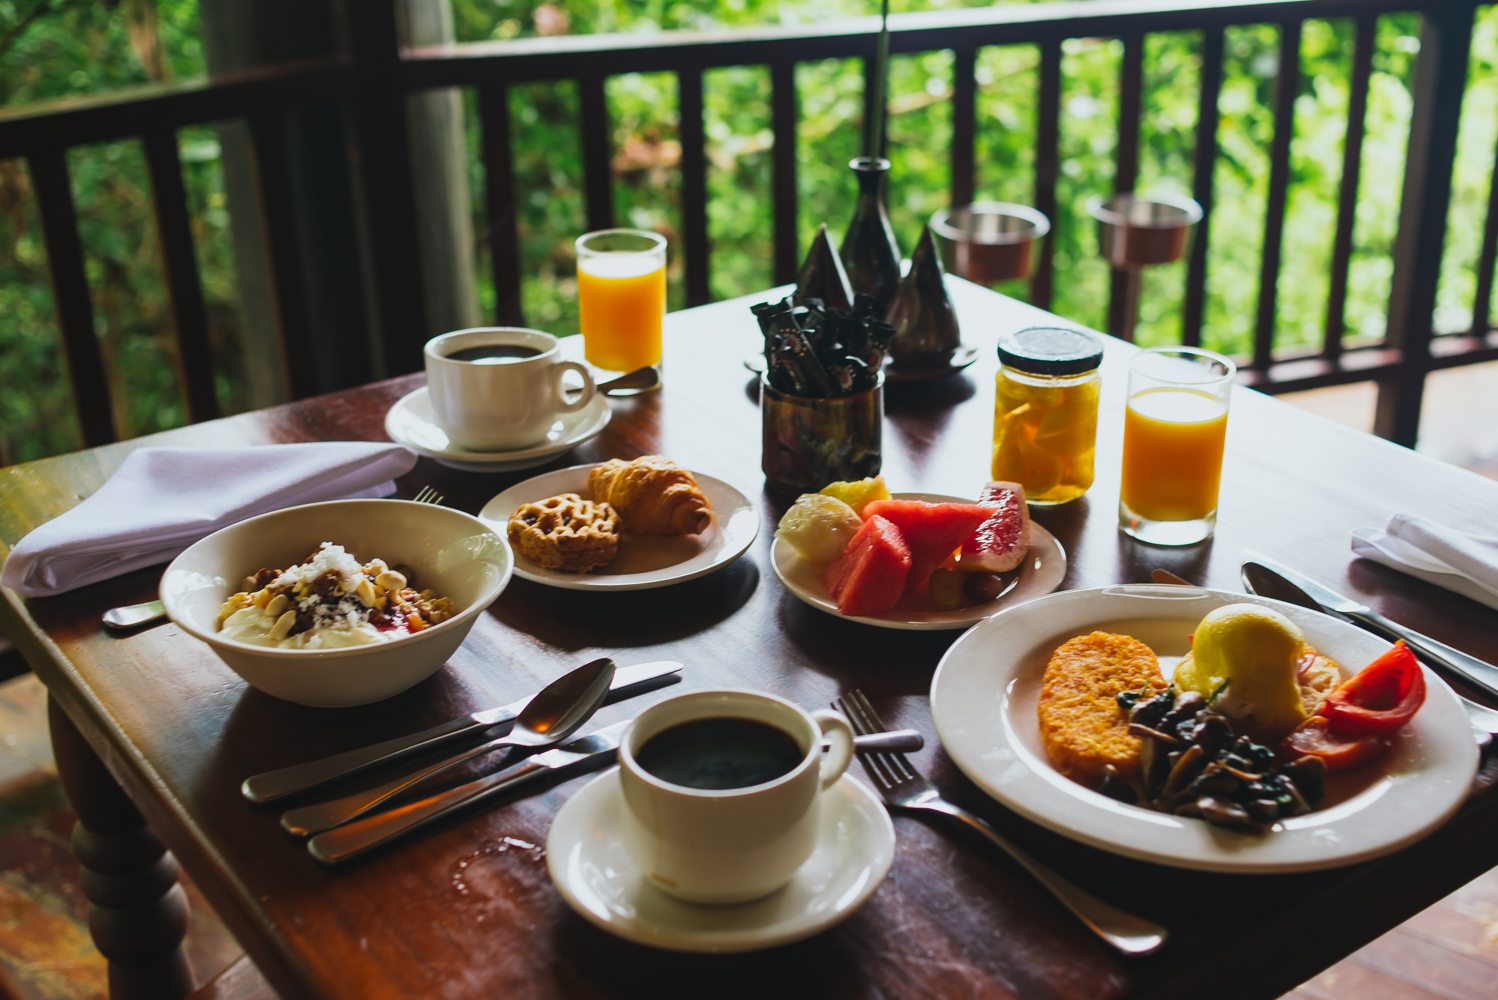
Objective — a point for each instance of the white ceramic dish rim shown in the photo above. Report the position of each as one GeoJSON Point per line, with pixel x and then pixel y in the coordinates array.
{"type": "Point", "coordinates": [591, 420]}
{"type": "Point", "coordinates": [783, 554]}
{"type": "Point", "coordinates": [473, 610]}
{"type": "Point", "coordinates": [999, 763]}
{"type": "Point", "coordinates": [882, 855]}
{"type": "Point", "coordinates": [496, 514]}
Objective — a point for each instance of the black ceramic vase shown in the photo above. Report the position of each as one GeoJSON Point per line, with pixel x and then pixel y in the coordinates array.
{"type": "Point", "coordinates": [822, 275]}
{"type": "Point", "coordinates": [926, 331]}
{"type": "Point", "coordinates": [869, 251]}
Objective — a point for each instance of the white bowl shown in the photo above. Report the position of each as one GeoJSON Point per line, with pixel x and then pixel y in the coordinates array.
{"type": "Point", "coordinates": [453, 553]}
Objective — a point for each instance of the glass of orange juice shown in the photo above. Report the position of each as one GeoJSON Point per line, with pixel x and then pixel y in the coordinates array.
{"type": "Point", "coordinates": [621, 298]}
{"type": "Point", "coordinates": [1174, 429]}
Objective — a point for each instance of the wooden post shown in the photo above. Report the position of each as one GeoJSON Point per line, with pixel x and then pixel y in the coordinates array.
{"type": "Point", "coordinates": [137, 911]}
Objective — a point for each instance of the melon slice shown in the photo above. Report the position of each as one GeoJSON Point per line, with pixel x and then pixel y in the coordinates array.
{"type": "Point", "coordinates": [932, 530]}
{"type": "Point", "coordinates": [1000, 543]}
{"type": "Point", "coordinates": [869, 577]}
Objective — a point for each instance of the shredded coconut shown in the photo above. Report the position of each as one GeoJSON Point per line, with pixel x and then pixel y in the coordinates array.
{"type": "Point", "coordinates": [328, 557]}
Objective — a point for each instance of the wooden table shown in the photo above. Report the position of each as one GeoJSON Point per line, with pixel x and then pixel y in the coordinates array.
{"type": "Point", "coordinates": [179, 731]}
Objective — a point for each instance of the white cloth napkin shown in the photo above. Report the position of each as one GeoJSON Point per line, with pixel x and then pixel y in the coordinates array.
{"type": "Point", "coordinates": [1456, 560]}
{"type": "Point", "coordinates": [161, 500]}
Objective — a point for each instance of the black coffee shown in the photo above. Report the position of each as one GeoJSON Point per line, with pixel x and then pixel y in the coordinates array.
{"type": "Point", "coordinates": [720, 753]}
{"type": "Point", "coordinates": [493, 354]}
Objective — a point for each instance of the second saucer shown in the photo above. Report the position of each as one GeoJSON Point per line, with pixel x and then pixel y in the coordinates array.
{"type": "Point", "coordinates": [410, 423]}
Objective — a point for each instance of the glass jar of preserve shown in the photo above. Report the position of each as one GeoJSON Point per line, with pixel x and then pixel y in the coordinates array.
{"type": "Point", "coordinates": [1045, 412]}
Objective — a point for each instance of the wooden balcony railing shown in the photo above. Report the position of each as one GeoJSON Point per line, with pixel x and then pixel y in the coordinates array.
{"type": "Point", "coordinates": [374, 77]}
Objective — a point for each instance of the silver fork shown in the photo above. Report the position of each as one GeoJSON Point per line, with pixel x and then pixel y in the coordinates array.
{"type": "Point", "coordinates": [903, 787]}
{"type": "Point", "coordinates": [428, 495]}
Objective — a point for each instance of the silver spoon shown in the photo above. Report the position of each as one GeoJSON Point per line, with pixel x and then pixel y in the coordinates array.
{"type": "Point", "coordinates": [134, 615]}
{"type": "Point", "coordinates": [554, 714]}
{"type": "Point", "coordinates": [640, 379]}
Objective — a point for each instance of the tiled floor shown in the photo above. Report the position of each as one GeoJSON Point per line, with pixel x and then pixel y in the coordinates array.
{"type": "Point", "coordinates": [1449, 952]}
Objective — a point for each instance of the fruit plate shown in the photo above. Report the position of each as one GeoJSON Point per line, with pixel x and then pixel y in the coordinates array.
{"type": "Point", "coordinates": [987, 686]}
{"type": "Point", "coordinates": [644, 561]}
{"type": "Point", "coordinates": [1040, 573]}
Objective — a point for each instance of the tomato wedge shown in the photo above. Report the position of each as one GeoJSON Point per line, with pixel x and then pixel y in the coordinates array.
{"type": "Point", "coordinates": [1380, 699]}
{"type": "Point", "coordinates": [1316, 737]}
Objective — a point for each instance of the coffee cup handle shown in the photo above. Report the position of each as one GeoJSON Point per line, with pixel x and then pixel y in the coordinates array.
{"type": "Point", "coordinates": [584, 398]}
{"type": "Point", "coordinates": [838, 756]}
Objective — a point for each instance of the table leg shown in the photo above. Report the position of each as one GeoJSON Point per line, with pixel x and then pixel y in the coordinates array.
{"type": "Point", "coordinates": [138, 912]}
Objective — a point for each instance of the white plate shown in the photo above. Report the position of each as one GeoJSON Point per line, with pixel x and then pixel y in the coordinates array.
{"type": "Point", "coordinates": [409, 422]}
{"type": "Point", "coordinates": [1040, 573]}
{"type": "Point", "coordinates": [597, 879]}
{"type": "Point", "coordinates": [644, 561]}
{"type": "Point", "coordinates": [983, 701]}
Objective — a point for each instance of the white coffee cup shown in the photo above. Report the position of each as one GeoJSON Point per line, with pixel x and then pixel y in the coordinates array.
{"type": "Point", "coordinates": [736, 844]}
{"type": "Point", "coordinates": [499, 404]}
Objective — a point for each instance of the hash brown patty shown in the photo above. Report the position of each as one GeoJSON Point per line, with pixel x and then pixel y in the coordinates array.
{"type": "Point", "coordinates": [1081, 723]}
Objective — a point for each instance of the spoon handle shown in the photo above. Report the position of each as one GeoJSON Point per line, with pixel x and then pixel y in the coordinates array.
{"type": "Point", "coordinates": [130, 616]}
{"type": "Point", "coordinates": [308, 820]}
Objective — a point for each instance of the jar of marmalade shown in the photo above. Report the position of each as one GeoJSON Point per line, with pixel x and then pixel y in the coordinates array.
{"type": "Point", "coordinates": [1045, 412]}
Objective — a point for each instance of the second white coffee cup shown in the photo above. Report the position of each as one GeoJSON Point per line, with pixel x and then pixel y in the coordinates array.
{"type": "Point", "coordinates": [506, 400]}
{"type": "Point", "coordinates": [729, 845]}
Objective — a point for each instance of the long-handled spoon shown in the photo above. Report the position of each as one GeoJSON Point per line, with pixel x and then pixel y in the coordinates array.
{"type": "Point", "coordinates": [131, 616]}
{"type": "Point", "coordinates": [554, 714]}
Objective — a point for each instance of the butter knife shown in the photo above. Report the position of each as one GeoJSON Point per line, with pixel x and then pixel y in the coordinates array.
{"type": "Point", "coordinates": [493, 722]}
{"type": "Point", "coordinates": [593, 752]}
{"type": "Point", "coordinates": [1477, 672]}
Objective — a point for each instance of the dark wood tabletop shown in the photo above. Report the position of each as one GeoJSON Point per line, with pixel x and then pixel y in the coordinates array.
{"type": "Point", "coordinates": [179, 731]}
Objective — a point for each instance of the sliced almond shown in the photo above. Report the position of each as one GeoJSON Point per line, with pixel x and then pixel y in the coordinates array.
{"type": "Point", "coordinates": [282, 628]}
{"type": "Point", "coordinates": [390, 580]}
{"type": "Point", "coordinates": [365, 592]}
{"type": "Point", "coordinates": [277, 605]}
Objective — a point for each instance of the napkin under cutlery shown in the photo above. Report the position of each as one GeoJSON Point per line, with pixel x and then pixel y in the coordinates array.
{"type": "Point", "coordinates": [161, 500]}
{"type": "Point", "coordinates": [1456, 560]}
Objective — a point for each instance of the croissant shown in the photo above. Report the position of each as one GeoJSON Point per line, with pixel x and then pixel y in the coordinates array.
{"type": "Point", "coordinates": [653, 496]}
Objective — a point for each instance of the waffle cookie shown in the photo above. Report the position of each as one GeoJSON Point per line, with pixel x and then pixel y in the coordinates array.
{"type": "Point", "coordinates": [566, 532]}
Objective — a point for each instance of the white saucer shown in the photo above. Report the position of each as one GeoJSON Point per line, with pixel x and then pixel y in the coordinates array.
{"type": "Point", "coordinates": [409, 422]}
{"type": "Point", "coordinates": [1041, 572]}
{"type": "Point", "coordinates": [644, 561]}
{"type": "Point", "coordinates": [597, 879]}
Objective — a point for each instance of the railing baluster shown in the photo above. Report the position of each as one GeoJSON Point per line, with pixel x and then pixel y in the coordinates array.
{"type": "Point", "coordinates": [783, 113]}
{"type": "Point", "coordinates": [1286, 84]}
{"type": "Point", "coordinates": [598, 170]}
{"type": "Point", "coordinates": [278, 220]}
{"type": "Point", "coordinates": [1435, 118]}
{"type": "Point", "coordinates": [180, 267]}
{"type": "Point", "coordinates": [499, 203]}
{"type": "Point", "coordinates": [693, 184]}
{"type": "Point", "coordinates": [1482, 301]}
{"type": "Point", "coordinates": [964, 122]}
{"type": "Point", "coordinates": [1047, 165]}
{"type": "Point", "coordinates": [1347, 194]}
{"type": "Point", "coordinates": [1207, 116]}
{"type": "Point", "coordinates": [1123, 288]}
{"type": "Point", "coordinates": [70, 298]}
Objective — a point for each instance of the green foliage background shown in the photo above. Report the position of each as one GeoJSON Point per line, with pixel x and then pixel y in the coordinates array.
{"type": "Point", "coordinates": [84, 46]}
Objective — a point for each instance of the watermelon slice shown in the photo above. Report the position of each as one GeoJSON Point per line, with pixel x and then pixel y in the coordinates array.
{"type": "Point", "coordinates": [868, 578]}
{"type": "Point", "coordinates": [1000, 543]}
{"type": "Point", "coordinates": [932, 530]}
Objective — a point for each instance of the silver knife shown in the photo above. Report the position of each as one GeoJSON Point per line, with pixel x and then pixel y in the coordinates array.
{"type": "Point", "coordinates": [591, 753]}
{"type": "Point", "coordinates": [1477, 672]}
{"type": "Point", "coordinates": [272, 785]}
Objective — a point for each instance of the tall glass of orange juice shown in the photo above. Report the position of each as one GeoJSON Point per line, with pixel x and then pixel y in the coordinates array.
{"type": "Point", "coordinates": [621, 298]}
{"type": "Point", "coordinates": [1174, 429]}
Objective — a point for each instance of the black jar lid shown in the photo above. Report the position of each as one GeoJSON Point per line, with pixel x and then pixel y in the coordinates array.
{"type": "Point", "coordinates": [1050, 350]}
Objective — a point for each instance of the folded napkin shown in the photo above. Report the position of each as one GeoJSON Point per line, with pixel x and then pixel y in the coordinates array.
{"type": "Point", "coordinates": [1456, 560]}
{"type": "Point", "coordinates": [161, 500]}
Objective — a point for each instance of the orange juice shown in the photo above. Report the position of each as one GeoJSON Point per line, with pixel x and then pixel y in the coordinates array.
{"type": "Point", "coordinates": [1172, 454]}
{"type": "Point", "coordinates": [621, 299]}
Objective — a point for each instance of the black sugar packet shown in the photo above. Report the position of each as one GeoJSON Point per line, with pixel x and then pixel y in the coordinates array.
{"type": "Point", "coordinates": [813, 350]}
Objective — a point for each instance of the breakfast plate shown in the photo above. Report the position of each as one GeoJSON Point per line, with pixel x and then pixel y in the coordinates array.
{"type": "Point", "coordinates": [410, 423]}
{"type": "Point", "coordinates": [644, 561]}
{"type": "Point", "coordinates": [1041, 572]}
{"type": "Point", "coordinates": [596, 877]}
{"type": "Point", "coordinates": [984, 703]}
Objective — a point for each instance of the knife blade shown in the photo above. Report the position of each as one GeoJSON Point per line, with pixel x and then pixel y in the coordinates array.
{"type": "Point", "coordinates": [1479, 673]}
{"type": "Point", "coordinates": [1265, 582]}
{"type": "Point", "coordinates": [272, 785]}
{"type": "Point", "coordinates": [591, 753]}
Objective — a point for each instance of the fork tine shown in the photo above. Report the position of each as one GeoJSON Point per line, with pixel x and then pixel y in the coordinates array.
{"type": "Point", "coordinates": [898, 763]}
{"type": "Point", "coordinates": [880, 766]}
{"type": "Point", "coordinates": [866, 708]}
